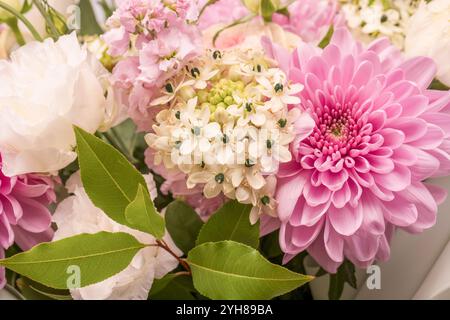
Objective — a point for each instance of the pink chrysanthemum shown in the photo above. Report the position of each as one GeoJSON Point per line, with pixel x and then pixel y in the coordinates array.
{"type": "Point", "coordinates": [24, 216]}
{"type": "Point", "coordinates": [377, 134]}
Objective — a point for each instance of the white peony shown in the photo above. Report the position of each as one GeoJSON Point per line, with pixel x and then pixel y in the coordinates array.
{"type": "Point", "coordinates": [77, 214]}
{"type": "Point", "coordinates": [428, 34]}
{"type": "Point", "coordinates": [45, 89]}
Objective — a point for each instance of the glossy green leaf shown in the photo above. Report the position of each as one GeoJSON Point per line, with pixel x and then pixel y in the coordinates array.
{"type": "Point", "coordinates": [173, 287]}
{"type": "Point", "coordinates": [231, 222]}
{"type": "Point", "coordinates": [142, 215]}
{"type": "Point", "coordinates": [83, 259]}
{"type": "Point", "coordinates": [183, 224]}
{"type": "Point", "coordinates": [230, 270]}
{"type": "Point", "coordinates": [108, 178]}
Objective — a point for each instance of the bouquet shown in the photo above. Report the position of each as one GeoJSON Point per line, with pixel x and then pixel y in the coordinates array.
{"type": "Point", "coordinates": [175, 149]}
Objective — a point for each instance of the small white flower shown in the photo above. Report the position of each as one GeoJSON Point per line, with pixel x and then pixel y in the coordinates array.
{"type": "Point", "coordinates": [280, 93]}
{"type": "Point", "coordinates": [266, 203]}
{"type": "Point", "coordinates": [216, 180]}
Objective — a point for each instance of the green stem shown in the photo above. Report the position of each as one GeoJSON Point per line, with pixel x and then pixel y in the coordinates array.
{"type": "Point", "coordinates": [12, 23]}
{"type": "Point", "coordinates": [22, 18]}
{"type": "Point", "coordinates": [210, 2]}
{"type": "Point", "coordinates": [53, 30]}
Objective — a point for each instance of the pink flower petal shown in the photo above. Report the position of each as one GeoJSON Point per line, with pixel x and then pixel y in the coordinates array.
{"type": "Point", "coordinates": [288, 192]}
{"type": "Point", "coordinates": [346, 221]}
{"type": "Point", "coordinates": [420, 70]}
{"type": "Point", "coordinates": [397, 180]}
{"type": "Point", "coordinates": [400, 213]}
{"type": "Point", "coordinates": [334, 243]}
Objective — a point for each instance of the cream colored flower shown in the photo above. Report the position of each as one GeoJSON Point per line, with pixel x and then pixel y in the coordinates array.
{"type": "Point", "coordinates": [279, 92]}
{"type": "Point", "coordinates": [47, 87]}
{"type": "Point", "coordinates": [219, 134]}
{"type": "Point", "coordinates": [428, 34]}
{"type": "Point", "coordinates": [216, 180]}
{"type": "Point", "coordinates": [266, 204]}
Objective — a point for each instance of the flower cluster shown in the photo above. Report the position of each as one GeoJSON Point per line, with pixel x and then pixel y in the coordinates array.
{"type": "Point", "coordinates": [155, 40]}
{"type": "Point", "coordinates": [323, 120]}
{"type": "Point", "coordinates": [373, 18]}
{"type": "Point", "coordinates": [227, 125]}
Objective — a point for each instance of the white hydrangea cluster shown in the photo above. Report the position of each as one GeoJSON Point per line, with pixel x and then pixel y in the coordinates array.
{"type": "Point", "coordinates": [370, 19]}
{"type": "Point", "coordinates": [226, 124]}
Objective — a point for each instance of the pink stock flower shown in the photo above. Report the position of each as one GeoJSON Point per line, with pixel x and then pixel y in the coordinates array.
{"type": "Point", "coordinates": [358, 171]}
{"type": "Point", "coordinates": [162, 42]}
{"type": "Point", "coordinates": [310, 19]}
{"type": "Point", "coordinates": [24, 216]}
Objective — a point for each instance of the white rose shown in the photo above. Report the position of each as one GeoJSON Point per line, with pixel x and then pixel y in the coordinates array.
{"type": "Point", "coordinates": [77, 214]}
{"type": "Point", "coordinates": [46, 88]}
{"type": "Point", "coordinates": [428, 34]}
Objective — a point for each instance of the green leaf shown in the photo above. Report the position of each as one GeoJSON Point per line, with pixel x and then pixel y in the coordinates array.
{"type": "Point", "coordinates": [173, 287]}
{"type": "Point", "coordinates": [108, 178]}
{"type": "Point", "coordinates": [326, 40]}
{"type": "Point", "coordinates": [345, 273]}
{"type": "Point", "coordinates": [230, 270]}
{"type": "Point", "coordinates": [98, 257]}
{"type": "Point", "coordinates": [231, 222]}
{"type": "Point", "coordinates": [33, 290]}
{"type": "Point", "coordinates": [437, 85]}
{"type": "Point", "coordinates": [142, 215]}
{"type": "Point", "coordinates": [183, 224]}
{"type": "Point", "coordinates": [89, 24]}
{"type": "Point", "coordinates": [160, 284]}
{"type": "Point", "coordinates": [270, 245]}
{"type": "Point", "coordinates": [268, 8]}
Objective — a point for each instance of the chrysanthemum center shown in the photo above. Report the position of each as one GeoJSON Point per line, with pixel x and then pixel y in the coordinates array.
{"type": "Point", "coordinates": [336, 130]}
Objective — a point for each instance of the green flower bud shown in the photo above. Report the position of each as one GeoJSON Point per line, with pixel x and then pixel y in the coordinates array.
{"type": "Point", "coordinates": [228, 100]}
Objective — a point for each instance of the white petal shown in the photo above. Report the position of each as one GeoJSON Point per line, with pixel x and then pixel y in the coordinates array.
{"type": "Point", "coordinates": [255, 179]}
{"type": "Point", "coordinates": [212, 189]}
{"type": "Point", "coordinates": [212, 130]}
{"type": "Point", "coordinates": [204, 145]}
